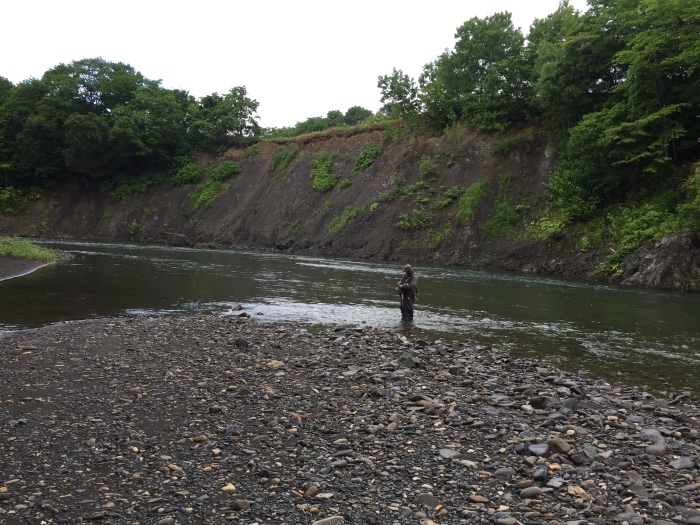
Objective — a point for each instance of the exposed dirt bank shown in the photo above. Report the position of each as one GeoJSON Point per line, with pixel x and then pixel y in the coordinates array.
{"type": "Point", "coordinates": [402, 207]}
{"type": "Point", "coordinates": [218, 419]}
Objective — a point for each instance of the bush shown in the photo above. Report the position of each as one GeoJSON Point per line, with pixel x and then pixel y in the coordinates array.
{"type": "Point", "coordinates": [282, 159]}
{"type": "Point", "coordinates": [338, 223]}
{"type": "Point", "coordinates": [322, 171]}
{"type": "Point", "coordinates": [188, 174]}
{"type": "Point", "coordinates": [393, 193]}
{"type": "Point", "coordinates": [426, 166]}
{"type": "Point", "coordinates": [205, 194]}
{"type": "Point", "coordinates": [11, 200]}
{"type": "Point", "coordinates": [502, 221]}
{"type": "Point", "coordinates": [419, 218]}
{"type": "Point", "coordinates": [446, 198]}
{"type": "Point", "coordinates": [365, 159]}
{"type": "Point", "coordinates": [225, 171]}
{"type": "Point", "coordinates": [470, 199]}
{"type": "Point", "coordinates": [127, 185]}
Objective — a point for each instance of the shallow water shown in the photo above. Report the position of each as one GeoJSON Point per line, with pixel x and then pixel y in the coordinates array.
{"type": "Point", "coordinates": [626, 334]}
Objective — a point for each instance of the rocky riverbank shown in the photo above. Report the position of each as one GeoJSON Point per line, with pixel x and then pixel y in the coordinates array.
{"type": "Point", "coordinates": [220, 419]}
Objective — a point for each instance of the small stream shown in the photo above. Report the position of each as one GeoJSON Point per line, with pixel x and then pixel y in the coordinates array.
{"type": "Point", "coordinates": [622, 334]}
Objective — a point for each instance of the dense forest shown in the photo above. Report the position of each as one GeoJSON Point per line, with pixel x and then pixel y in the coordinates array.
{"type": "Point", "coordinates": [616, 87]}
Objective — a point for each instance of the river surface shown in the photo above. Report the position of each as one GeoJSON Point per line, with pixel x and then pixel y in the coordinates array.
{"type": "Point", "coordinates": [621, 334]}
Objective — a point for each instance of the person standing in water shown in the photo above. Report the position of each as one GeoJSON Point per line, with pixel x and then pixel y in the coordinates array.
{"type": "Point", "coordinates": [408, 290]}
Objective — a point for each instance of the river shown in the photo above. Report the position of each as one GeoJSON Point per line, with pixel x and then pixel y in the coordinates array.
{"type": "Point", "coordinates": [618, 333]}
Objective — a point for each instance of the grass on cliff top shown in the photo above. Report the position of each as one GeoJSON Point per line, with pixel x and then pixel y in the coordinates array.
{"type": "Point", "coordinates": [25, 250]}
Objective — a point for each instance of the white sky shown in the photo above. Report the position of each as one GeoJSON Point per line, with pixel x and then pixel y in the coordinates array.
{"type": "Point", "coordinates": [297, 58]}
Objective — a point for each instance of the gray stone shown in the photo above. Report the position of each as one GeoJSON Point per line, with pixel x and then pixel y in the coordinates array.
{"type": "Point", "coordinates": [531, 493]}
{"type": "Point", "coordinates": [682, 463]}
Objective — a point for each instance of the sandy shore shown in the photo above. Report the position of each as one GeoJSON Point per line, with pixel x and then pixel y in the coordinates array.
{"type": "Point", "coordinates": [11, 267]}
{"type": "Point", "coordinates": [209, 419]}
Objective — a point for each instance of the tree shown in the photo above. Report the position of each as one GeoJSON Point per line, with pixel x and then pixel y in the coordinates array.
{"type": "Point", "coordinates": [484, 81]}
{"type": "Point", "coordinates": [235, 115]}
{"type": "Point", "coordinates": [399, 94]}
{"type": "Point", "coordinates": [355, 115]}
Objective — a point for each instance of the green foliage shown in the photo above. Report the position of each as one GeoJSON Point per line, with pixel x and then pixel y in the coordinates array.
{"type": "Point", "coordinates": [502, 146]}
{"type": "Point", "coordinates": [418, 218]}
{"type": "Point", "coordinates": [344, 184]}
{"type": "Point", "coordinates": [19, 249]}
{"type": "Point", "coordinates": [548, 227]}
{"type": "Point", "coordinates": [689, 211]}
{"type": "Point", "coordinates": [447, 197]}
{"type": "Point", "coordinates": [632, 226]}
{"type": "Point", "coordinates": [134, 228]}
{"type": "Point", "coordinates": [427, 167]}
{"type": "Point", "coordinates": [415, 192]}
{"type": "Point", "coordinates": [12, 200]}
{"type": "Point", "coordinates": [506, 214]}
{"type": "Point", "coordinates": [322, 172]}
{"type": "Point", "coordinates": [501, 223]}
{"type": "Point", "coordinates": [338, 223]}
{"type": "Point", "coordinates": [206, 193]}
{"type": "Point", "coordinates": [127, 185]}
{"type": "Point", "coordinates": [373, 207]}
{"type": "Point", "coordinates": [282, 159]}
{"type": "Point", "coordinates": [470, 199]}
{"type": "Point", "coordinates": [297, 227]}
{"type": "Point", "coordinates": [393, 192]}
{"type": "Point", "coordinates": [399, 95]}
{"type": "Point", "coordinates": [225, 171]}
{"type": "Point", "coordinates": [188, 174]}
{"type": "Point", "coordinates": [365, 159]}
{"type": "Point", "coordinates": [433, 238]}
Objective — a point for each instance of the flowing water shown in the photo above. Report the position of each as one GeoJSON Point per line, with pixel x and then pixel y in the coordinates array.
{"type": "Point", "coordinates": [622, 334]}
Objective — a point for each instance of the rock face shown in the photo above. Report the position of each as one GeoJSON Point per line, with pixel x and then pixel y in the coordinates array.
{"type": "Point", "coordinates": [167, 420]}
{"type": "Point", "coordinates": [673, 263]}
{"type": "Point", "coordinates": [270, 210]}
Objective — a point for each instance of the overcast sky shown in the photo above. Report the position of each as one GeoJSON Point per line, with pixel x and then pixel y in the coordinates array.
{"type": "Point", "coordinates": [297, 58]}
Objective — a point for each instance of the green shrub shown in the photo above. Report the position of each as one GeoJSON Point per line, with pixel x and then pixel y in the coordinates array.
{"type": "Point", "coordinates": [188, 174]}
{"type": "Point", "coordinates": [297, 227]}
{"type": "Point", "coordinates": [419, 218]}
{"type": "Point", "coordinates": [282, 159]}
{"type": "Point", "coordinates": [414, 192]}
{"type": "Point", "coordinates": [427, 167]}
{"type": "Point", "coordinates": [25, 250]}
{"type": "Point", "coordinates": [393, 193]}
{"type": "Point", "coordinates": [225, 171]}
{"type": "Point", "coordinates": [345, 183]}
{"type": "Point", "coordinates": [322, 171]}
{"type": "Point", "coordinates": [338, 223]}
{"type": "Point", "coordinates": [127, 185]}
{"type": "Point", "coordinates": [689, 211]}
{"type": "Point", "coordinates": [502, 146]}
{"type": "Point", "coordinates": [501, 223]}
{"type": "Point", "coordinates": [632, 226]}
{"type": "Point", "coordinates": [470, 199]}
{"type": "Point", "coordinates": [12, 200]}
{"type": "Point", "coordinates": [134, 228]}
{"type": "Point", "coordinates": [373, 207]}
{"type": "Point", "coordinates": [205, 194]}
{"type": "Point", "coordinates": [447, 197]}
{"type": "Point", "coordinates": [365, 159]}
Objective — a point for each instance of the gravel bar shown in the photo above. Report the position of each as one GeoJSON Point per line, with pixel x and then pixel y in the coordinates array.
{"type": "Point", "coordinates": [223, 419]}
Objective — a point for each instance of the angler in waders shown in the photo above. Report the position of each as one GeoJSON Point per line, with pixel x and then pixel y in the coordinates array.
{"type": "Point", "coordinates": [408, 290]}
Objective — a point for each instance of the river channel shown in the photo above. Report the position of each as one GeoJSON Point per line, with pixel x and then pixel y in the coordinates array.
{"type": "Point", "coordinates": [618, 333]}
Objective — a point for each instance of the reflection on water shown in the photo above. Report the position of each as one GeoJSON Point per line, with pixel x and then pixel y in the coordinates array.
{"type": "Point", "coordinates": [634, 335]}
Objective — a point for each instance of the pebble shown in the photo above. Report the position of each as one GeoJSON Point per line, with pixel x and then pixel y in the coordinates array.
{"type": "Point", "coordinates": [176, 420]}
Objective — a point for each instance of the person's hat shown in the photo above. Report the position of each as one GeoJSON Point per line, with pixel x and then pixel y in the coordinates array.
{"type": "Point", "coordinates": [408, 268]}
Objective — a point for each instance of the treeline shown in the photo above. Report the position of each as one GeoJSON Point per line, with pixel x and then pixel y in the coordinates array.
{"type": "Point", "coordinates": [619, 85]}
{"type": "Point", "coordinates": [105, 119]}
